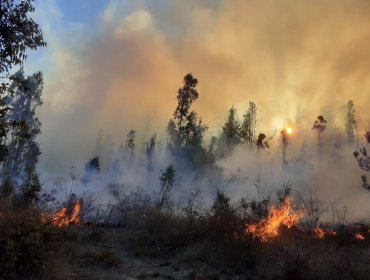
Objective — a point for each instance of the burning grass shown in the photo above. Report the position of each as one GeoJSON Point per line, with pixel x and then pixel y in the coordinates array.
{"type": "Point", "coordinates": [227, 239]}
{"type": "Point", "coordinates": [62, 218]}
{"type": "Point", "coordinates": [268, 228]}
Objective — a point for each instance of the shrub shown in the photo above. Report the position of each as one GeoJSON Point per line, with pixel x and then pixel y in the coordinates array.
{"type": "Point", "coordinates": [25, 242]}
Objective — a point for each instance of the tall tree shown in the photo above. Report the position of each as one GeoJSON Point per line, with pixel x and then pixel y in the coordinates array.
{"type": "Point", "coordinates": [249, 124]}
{"type": "Point", "coordinates": [320, 126]}
{"type": "Point", "coordinates": [351, 123]}
{"type": "Point", "coordinates": [185, 129]}
{"type": "Point", "coordinates": [22, 99]}
{"type": "Point", "coordinates": [18, 32]}
{"type": "Point", "coordinates": [230, 134]}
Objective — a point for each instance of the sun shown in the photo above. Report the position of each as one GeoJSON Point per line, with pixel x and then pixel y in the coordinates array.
{"type": "Point", "coordinates": [289, 130]}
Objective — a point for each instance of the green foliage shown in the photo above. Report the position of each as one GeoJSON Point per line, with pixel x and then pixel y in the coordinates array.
{"type": "Point", "coordinates": [223, 220]}
{"type": "Point", "coordinates": [23, 97]}
{"type": "Point", "coordinates": [18, 32]}
{"type": "Point", "coordinates": [25, 242]}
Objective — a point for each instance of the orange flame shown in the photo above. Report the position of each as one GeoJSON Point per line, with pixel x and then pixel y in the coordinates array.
{"type": "Point", "coordinates": [359, 236]}
{"type": "Point", "coordinates": [321, 233]}
{"type": "Point", "coordinates": [268, 228]}
{"type": "Point", "coordinates": [62, 219]}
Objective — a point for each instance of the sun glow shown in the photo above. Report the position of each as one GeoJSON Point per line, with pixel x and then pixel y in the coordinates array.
{"type": "Point", "coordinates": [289, 130]}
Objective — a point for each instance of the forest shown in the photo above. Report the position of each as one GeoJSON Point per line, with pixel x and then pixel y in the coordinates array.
{"type": "Point", "coordinates": [195, 200]}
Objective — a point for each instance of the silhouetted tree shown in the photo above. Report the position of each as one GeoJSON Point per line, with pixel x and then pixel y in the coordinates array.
{"type": "Point", "coordinates": [18, 32]}
{"type": "Point", "coordinates": [93, 164]}
{"type": "Point", "coordinates": [130, 140]}
{"type": "Point", "coordinates": [285, 143]}
{"type": "Point", "coordinates": [167, 180]}
{"type": "Point", "coordinates": [22, 99]}
{"type": "Point", "coordinates": [211, 152]}
{"type": "Point", "coordinates": [351, 123]}
{"type": "Point", "coordinates": [248, 126]}
{"type": "Point", "coordinates": [92, 167]}
{"type": "Point", "coordinates": [261, 143]}
{"type": "Point", "coordinates": [363, 159]}
{"type": "Point", "coordinates": [230, 134]}
{"type": "Point", "coordinates": [184, 129]}
{"type": "Point", "coordinates": [367, 136]}
{"type": "Point", "coordinates": [320, 126]}
{"type": "Point", "coordinates": [150, 148]}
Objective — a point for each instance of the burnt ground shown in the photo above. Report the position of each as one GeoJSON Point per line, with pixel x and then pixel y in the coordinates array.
{"type": "Point", "coordinates": [103, 253]}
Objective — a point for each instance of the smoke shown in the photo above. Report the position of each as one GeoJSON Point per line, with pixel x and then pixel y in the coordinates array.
{"type": "Point", "coordinates": [294, 59]}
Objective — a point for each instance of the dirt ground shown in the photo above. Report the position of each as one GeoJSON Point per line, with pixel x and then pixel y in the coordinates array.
{"type": "Point", "coordinates": [70, 264]}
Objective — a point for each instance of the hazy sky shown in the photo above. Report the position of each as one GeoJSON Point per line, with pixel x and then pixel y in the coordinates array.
{"type": "Point", "coordinates": [116, 65]}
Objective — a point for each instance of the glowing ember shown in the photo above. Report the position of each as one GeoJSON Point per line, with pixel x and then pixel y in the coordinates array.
{"type": "Point", "coordinates": [359, 236]}
{"type": "Point", "coordinates": [62, 219]}
{"type": "Point", "coordinates": [289, 130]}
{"type": "Point", "coordinates": [268, 228]}
{"type": "Point", "coordinates": [321, 233]}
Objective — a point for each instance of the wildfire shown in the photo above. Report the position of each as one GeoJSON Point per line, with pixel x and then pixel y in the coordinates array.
{"type": "Point", "coordinates": [62, 219]}
{"type": "Point", "coordinates": [268, 228]}
{"type": "Point", "coordinates": [322, 233]}
{"type": "Point", "coordinates": [359, 236]}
